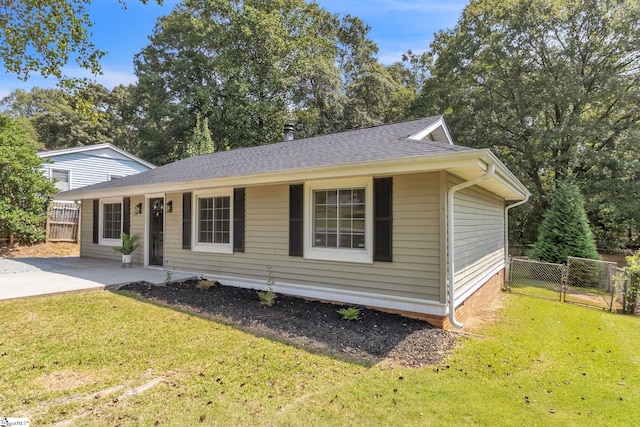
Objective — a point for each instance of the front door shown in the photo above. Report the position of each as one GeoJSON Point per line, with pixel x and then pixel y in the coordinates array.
{"type": "Point", "coordinates": [156, 231]}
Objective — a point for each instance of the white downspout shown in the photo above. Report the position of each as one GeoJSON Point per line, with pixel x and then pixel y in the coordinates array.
{"type": "Point", "coordinates": [506, 234]}
{"type": "Point", "coordinates": [450, 234]}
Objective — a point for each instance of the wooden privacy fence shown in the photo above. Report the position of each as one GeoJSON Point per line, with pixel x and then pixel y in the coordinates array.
{"type": "Point", "coordinates": [62, 222]}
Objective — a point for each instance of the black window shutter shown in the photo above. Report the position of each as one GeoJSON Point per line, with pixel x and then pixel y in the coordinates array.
{"type": "Point", "coordinates": [238, 219]}
{"type": "Point", "coordinates": [96, 220]}
{"type": "Point", "coordinates": [382, 219]}
{"type": "Point", "coordinates": [186, 220]}
{"type": "Point", "coordinates": [296, 208]}
{"type": "Point", "coordinates": [126, 215]}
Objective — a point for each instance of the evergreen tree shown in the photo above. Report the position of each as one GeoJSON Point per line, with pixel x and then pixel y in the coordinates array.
{"type": "Point", "coordinates": [565, 229]}
{"type": "Point", "coordinates": [200, 142]}
{"type": "Point", "coordinates": [24, 190]}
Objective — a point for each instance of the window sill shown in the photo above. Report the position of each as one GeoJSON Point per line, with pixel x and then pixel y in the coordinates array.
{"type": "Point", "coordinates": [215, 249]}
{"type": "Point", "coordinates": [359, 257]}
{"type": "Point", "coordinates": [110, 242]}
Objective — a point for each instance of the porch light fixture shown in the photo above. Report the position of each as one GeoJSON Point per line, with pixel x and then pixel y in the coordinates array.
{"type": "Point", "coordinates": [170, 206]}
{"type": "Point", "coordinates": [138, 208]}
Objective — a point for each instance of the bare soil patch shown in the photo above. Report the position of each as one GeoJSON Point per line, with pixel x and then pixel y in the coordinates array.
{"type": "Point", "coordinates": [314, 325]}
{"type": "Point", "coordinates": [41, 250]}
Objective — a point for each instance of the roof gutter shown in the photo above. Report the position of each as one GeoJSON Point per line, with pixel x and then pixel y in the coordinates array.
{"type": "Point", "coordinates": [506, 232]}
{"type": "Point", "coordinates": [450, 234]}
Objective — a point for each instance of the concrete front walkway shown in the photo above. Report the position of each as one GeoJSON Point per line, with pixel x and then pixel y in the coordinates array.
{"type": "Point", "coordinates": [28, 277]}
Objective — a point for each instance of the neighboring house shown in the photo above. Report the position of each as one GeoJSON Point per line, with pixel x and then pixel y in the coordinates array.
{"type": "Point", "coordinates": [395, 217]}
{"type": "Point", "coordinates": [77, 167]}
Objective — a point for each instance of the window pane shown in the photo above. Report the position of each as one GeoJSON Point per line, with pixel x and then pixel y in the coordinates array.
{"type": "Point", "coordinates": [320, 197]}
{"type": "Point", "coordinates": [358, 241]}
{"type": "Point", "coordinates": [332, 197]}
{"type": "Point", "coordinates": [345, 241]}
{"type": "Point", "coordinates": [332, 241]}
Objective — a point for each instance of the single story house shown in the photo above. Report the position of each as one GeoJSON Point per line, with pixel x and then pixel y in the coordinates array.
{"type": "Point", "coordinates": [394, 217]}
{"type": "Point", "coordinates": [77, 167]}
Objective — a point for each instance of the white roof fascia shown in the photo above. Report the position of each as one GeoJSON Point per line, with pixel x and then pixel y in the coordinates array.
{"type": "Point", "coordinates": [432, 127]}
{"type": "Point", "coordinates": [54, 153]}
{"type": "Point", "coordinates": [471, 160]}
{"type": "Point", "coordinates": [507, 176]}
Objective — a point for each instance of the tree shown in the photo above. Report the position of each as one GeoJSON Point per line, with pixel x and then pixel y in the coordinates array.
{"type": "Point", "coordinates": [24, 191]}
{"type": "Point", "coordinates": [236, 63]}
{"type": "Point", "coordinates": [62, 120]}
{"type": "Point", "coordinates": [40, 36]}
{"type": "Point", "coordinates": [550, 85]}
{"type": "Point", "coordinates": [565, 229]}
{"type": "Point", "coordinates": [200, 142]}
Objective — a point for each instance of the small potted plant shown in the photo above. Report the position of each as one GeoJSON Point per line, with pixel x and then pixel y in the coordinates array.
{"type": "Point", "coordinates": [129, 244]}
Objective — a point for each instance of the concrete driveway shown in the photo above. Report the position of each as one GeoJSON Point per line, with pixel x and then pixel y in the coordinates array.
{"type": "Point", "coordinates": [29, 277]}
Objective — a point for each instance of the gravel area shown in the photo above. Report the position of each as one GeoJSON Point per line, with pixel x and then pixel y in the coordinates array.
{"type": "Point", "coordinates": [377, 336]}
{"type": "Point", "coordinates": [27, 265]}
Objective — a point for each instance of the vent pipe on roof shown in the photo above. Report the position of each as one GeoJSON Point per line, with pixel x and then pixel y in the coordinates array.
{"type": "Point", "coordinates": [288, 132]}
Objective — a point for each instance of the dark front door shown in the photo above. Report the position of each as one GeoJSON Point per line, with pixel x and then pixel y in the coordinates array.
{"type": "Point", "coordinates": [156, 231]}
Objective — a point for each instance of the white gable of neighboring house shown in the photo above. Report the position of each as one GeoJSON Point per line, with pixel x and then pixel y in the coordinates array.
{"type": "Point", "coordinates": [78, 167]}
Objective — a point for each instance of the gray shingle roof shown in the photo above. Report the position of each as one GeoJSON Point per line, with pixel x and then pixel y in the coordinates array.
{"type": "Point", "coordinates": [382, 142]}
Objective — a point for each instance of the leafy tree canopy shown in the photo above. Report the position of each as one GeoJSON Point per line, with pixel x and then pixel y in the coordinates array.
{"type": "Point", "coordinates": [40, 37]}
{"type": "Point", "coordinates": [62, 120]}
{"type": "Point", "coordinates": [251, 66]}
{"type": "Point", "coordinates": [552, 86]}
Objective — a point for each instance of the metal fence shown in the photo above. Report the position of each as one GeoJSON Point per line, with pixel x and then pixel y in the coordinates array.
{"type": "Point", "coordinates": [62, 222]}
{"type": "Point", "coordinates": [593, 283]}
{"type": "Point", "coordinates": [581, 281]}
{"type": "Point", "coordinates": [541, 279]}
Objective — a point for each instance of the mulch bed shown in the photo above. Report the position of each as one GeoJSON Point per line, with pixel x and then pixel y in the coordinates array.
{"type": "Point", "coordinates": [314, 325]}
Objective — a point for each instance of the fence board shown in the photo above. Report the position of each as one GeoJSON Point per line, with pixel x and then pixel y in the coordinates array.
{"type": "Point", "coordinates": [62, 222]}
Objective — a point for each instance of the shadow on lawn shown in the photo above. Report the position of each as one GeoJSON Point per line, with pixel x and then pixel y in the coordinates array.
{"type": "Point", "coordinates": [312, 325]}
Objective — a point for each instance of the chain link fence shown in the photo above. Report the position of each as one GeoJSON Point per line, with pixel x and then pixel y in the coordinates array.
{"type": "Point", "coordinates": [581, 281]}
{"type": "Point", "coordinates": [541, 279]}
{"type": "Point", "coordinates": [593, 283]}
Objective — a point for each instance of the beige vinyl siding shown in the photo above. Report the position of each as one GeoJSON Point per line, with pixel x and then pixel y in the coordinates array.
{"type": "Point", "coordinates": [137, 227]}
{"type": "Point", "coordinates": [87, 247]}
{"type": "Point", "coordinates": [414, 272]}
{"type": "Point", "coordinates": [479, 235]}
{"type": "Point", "coordinates": [92, 250]}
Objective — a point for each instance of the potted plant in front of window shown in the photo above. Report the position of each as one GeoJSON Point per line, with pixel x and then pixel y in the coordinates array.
{"type": "Point", "coordinates": [129, 244]}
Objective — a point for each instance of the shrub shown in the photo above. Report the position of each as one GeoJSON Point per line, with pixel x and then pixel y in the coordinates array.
{"type": "Point", "coordinates": [268, 297]}
{"type": "Point", "coordinates": [351, 313]}
{"type": "Point", "coordinates": [204, 284]}
{"type": "Point", "coordinates": [632, 292]}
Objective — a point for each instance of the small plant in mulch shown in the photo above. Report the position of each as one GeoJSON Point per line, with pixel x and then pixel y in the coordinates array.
{"type": "Point", "coordinates": [204, 284]}
{"type": "Point", "coordinates": [351, 313]}
{"type": "Point", "coordinates": [168, 279]}
{"type": "Point", "coordinates": [268, 297]}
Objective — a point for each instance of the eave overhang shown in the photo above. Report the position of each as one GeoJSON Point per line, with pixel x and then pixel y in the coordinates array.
{"type": "Point", "coordinates": [465, 164]}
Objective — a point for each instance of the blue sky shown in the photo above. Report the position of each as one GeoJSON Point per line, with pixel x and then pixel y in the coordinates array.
{"type": "Point", "coordinates": [396, 26]}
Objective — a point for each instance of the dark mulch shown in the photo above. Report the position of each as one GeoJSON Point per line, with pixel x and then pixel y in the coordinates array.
{"type": "Point", "coordinates": [310, 324]}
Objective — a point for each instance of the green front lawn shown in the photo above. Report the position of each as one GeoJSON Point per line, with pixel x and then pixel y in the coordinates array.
{"type": "Point", "coordinates": [101, 358]}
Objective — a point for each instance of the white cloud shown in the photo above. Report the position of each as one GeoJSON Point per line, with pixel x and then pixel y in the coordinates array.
{"type": "Point", "coordinates": [109, 78]}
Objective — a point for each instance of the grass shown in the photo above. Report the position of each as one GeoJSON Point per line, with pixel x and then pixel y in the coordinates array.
{"type": "Point", "coordinates": [81, 358]}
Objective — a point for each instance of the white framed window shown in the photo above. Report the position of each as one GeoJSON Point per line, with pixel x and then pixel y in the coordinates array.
{"type": "Point", "coordinates": [213, 221]}
{"type": "Point", "coordinates": [110, 227]}
{"type": "Point", "coordinates": [61, 179]}
{"type": "Point", "coordinates": [339, 225]}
